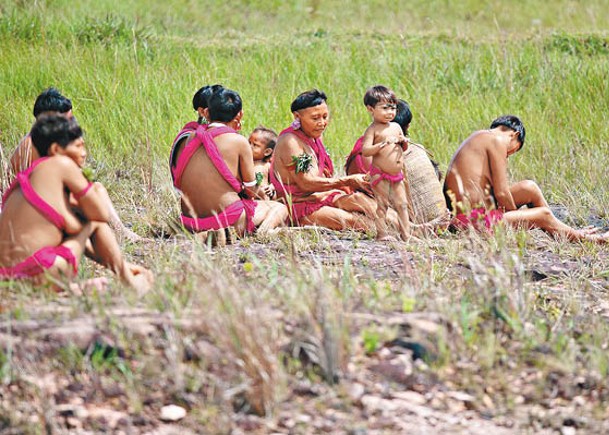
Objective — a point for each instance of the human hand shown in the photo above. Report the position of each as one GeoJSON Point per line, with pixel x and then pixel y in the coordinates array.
{"type": "Point", "coordinates": [359, 182]}
{"type": "Point", "coordinates": [269, 190]}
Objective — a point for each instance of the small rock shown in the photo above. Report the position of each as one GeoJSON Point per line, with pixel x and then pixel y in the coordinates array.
{"type": "Point", "coordinates": [107, 417]}
{"type": "Point", "coordinates": [568, 430]}
{"type": "Point", "coordinates": [172, 413]}
{"type": "Point", "coordinates": [73, 423]}
{"type": "Point", "coordinates": [411, 396]}
{"type": "Point", "coordinates": [303, 419]}
{"type": "Point", "coordinates": [460, 396]}
{"type": "Point", "coordinates": [374, 404]}
{"type": "Point", "coordinates": [356, 391]}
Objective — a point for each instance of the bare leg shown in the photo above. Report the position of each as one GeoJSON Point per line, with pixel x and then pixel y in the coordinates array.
{"type": "Point", "coordinates": [107, 252]}
{"type": "Point", "coordinates": [542, 217]}
{"type": "Point", "coordinates": [115, 221]}
{"type": "Point", "coordinates": [527, 192]}
{"type": "Point", "coordinates": [77, 244]}
{"type": "Point", "coordinates": [357, 202]}
{"type": "Point", "coordinates": [61, 269]}
{"type": "Point", "coordinates": [270, 215]}
{"type": "Point", "coordinates": [337, 219]}
{"type": "Point", "coordinates": [400, 204]}
{"type": "Point", "coordinates": [382, 192]}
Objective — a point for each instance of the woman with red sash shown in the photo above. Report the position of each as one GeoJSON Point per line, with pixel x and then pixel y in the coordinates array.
{"type": "Point", "coordinates": [214, 171]}
{"type": "Point", "coordinates": [302, 173]}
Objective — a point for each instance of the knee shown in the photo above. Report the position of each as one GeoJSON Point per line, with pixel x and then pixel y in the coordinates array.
{"type": "Point", "coordinates": [99, 187]}
{"type": "Point", "coordinates": [545, 214]}
{"type": "Point", "coordinates": [531, 186]}
{"type": "Point", "coordinates": [280, 210]}
{"type": "Point", "coordinates": [366, 204]}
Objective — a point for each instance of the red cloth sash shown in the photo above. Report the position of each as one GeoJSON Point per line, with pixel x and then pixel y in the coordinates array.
{"type": "Point", "coordinates": [38, 262]}
{"type": "Point", "coordinates": [324, 164]}
{"type": "Point", "coordinates": [44, 208]}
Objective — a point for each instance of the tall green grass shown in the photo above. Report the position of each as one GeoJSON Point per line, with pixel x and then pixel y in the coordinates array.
{"type": "Point", "coordinates": [132, 72]}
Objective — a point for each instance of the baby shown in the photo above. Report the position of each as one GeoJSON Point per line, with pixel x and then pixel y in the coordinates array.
{"type": "Point", "coordinates": [262, 141]}
{"type": "Point", "coordinates": [385, 142]}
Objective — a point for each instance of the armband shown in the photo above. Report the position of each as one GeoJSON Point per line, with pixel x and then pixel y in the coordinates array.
{"type": "Point", "coordinates": [249, 183]}
{"type": "Point", "coordinates": [83, 192]}
{"type": "Point", "coordinates": [302, 163]}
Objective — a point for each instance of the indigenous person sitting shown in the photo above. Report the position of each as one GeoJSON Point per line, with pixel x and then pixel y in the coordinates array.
{"type": "Point", "coordinates": [384, 141]}
{"type": "Point", "coordinates": [49, 102]}
{"type": "Point", "coordinates": [479, 194]}
{"type": "Point", "coordinates": [263, 141]}
{"type": "Point", "coordinates": [215, 174]}
{"type": "Point", "coordinates": [200, 105]}
{"type": "Point", "coordinates": [302, 172]}
{"type": "Point", "coordinates": [52, 214]}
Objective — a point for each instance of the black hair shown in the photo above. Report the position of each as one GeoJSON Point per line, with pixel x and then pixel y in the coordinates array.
{"type": "Point", "coordinates": [512, 122]}
{"type": "Point", "coordinates": [307, 99]}
{"type": "Point", "coordinates": [403, 115]}
{"type": "Point", "coordinates": [201, 98]}
{"type": "Point", "coordinates": [269, 135]}
{"type": "Point", "coordinates": [224, 105]}
{"type": "Point", "coordinates": [50, 129]}
{"type": "Point", "coordinates": [379, 93]}
{"type": "Point", "coordinates": [51, 100]}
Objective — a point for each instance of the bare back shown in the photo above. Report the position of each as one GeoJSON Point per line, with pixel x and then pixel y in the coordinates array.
{"type": "Point", "coordinates": [206, 192]}
{"type": "Point", "coordinates": [23, 229]}
{"type": "Point", "coordinates": [470, 176]}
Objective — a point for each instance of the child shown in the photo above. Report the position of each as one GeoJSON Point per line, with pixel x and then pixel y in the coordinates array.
{"type": "Point", "coordinates": [385, 142]}
{"type": "Point", "coordinates": [263, 140]}
{"type": "Point", "coordinates": [42, 233]}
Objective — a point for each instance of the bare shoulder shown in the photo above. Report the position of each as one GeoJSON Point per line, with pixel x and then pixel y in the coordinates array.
{"type": "Point", "coordinates": [371, 129]}
{"type": "Point", "coordinates": [394, 128]}
{"type": "Point", "coordinates": [479, 140]}
{"type": "Point", "coordinates": [64, 163]}
{"type": "Point", "coordinates": [288, 144]}
{"type": "Point", "coordinates": [241, 141]}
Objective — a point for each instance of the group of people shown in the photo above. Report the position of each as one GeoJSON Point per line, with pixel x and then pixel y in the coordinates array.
{"type": "Point", "coordinates": [52, 215]}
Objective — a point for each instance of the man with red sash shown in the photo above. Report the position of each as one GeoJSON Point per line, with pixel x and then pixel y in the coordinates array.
{"type": "Point", "coordinates": [302, 173]}
{"type": "Point", "coordinates": [214, 171]}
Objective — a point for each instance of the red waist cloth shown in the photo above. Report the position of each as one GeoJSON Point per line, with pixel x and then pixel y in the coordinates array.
{"type": "Point", "coordinates": [384, 176]}
{"type": "Point", "coordinates": [226, 218]}
{"type": "Point", "coordinates": [303, 209]}
{"type": "Point", "coordinates": [39, 262]}
{"type": "Point", "coordinates": [479, 218]}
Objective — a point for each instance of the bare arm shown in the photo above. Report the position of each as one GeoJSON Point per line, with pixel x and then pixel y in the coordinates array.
{"type": "Point", "coordinates": [497, 157]}
{"type": "Point", "coordinates": [369, 148]}
{"type": "Point", "coordinates": [246, 169]}
{"type": "Point", "coordinates": [92, 204]}
{"type": "Point", "coordinates": [309, 181]}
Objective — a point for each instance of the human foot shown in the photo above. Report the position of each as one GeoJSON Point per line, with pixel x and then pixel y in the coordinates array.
{"type": "Point", "coordinates": [99, 284]}
{"type": "Point", "coordinates": [138, 277]}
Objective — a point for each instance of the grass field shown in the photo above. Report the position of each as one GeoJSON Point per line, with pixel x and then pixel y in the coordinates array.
{"type": "Point", "coordinates": [131, 69]}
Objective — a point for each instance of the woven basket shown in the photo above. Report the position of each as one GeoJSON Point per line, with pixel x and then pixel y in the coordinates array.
{"type": "Point", "coordinates": [426, 199]}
